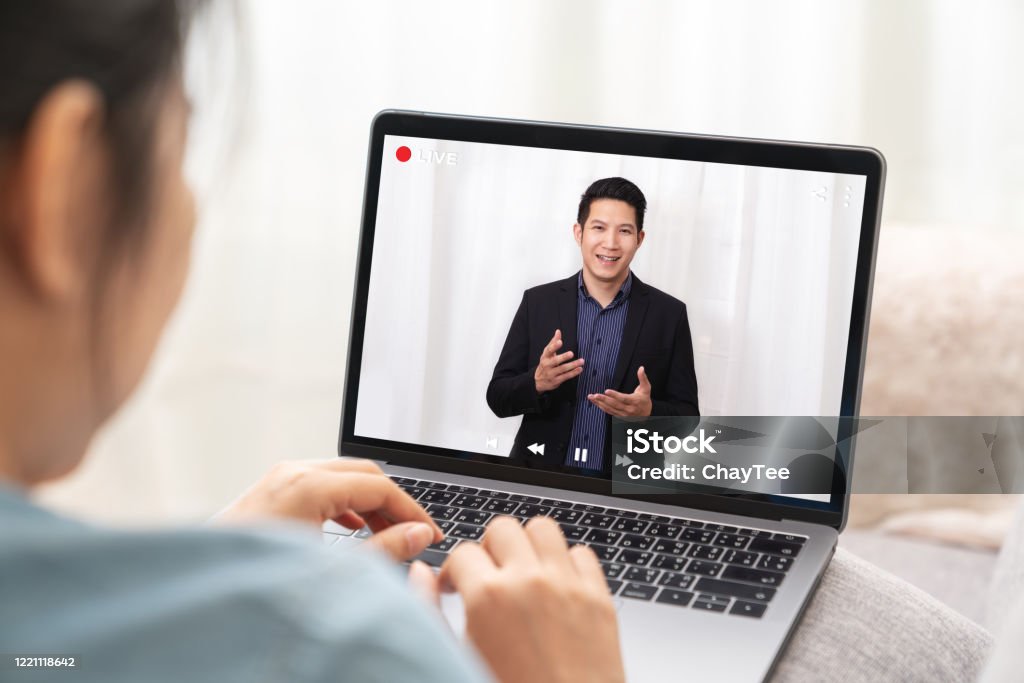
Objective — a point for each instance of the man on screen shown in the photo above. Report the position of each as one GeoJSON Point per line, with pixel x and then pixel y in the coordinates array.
{"type": "Point", "coordinates": [596, 344]}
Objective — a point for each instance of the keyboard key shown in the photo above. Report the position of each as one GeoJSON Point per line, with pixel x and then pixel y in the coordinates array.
{"type": "Point", "coordinates": [468, 501]}
{"type": "Point", "coordinates": [706, 552]}
{"type": "Point", "coordinates": [775, 563]}
{"type": "Point", "coordinates": [669, 562]}
{"type": "Point", "coordinates": [692, 523]}
{"type": "Point", "coordinates": [436, 485]}
{"type": "Point", "coordinates": [790, 538]}
{"type": "Point", "coordinates": [732, 541]}
{"type": "Point", "coordinates": [444, 546]}
{"type": "Point", "coordinates": [613, 585]}
{"type": "Point", "coordinates": [574, 533]}
{"type": "Point", "coordinates": [564, 515]}
{"type": "Point", "coordinates": [497, 495]}
{"type": "Point", "coordinates": [403, 480]}
{"type": "Point", "coordinates": [604, 552]}
{"type": "Point", "coordinates": [634, 541]}
{"type": "Point", "coordinates": [435, 558]}
{"type": "Point", "coordinates": [414, 491]}
{"type": "Point", "coordinates": [435, 496]}
{"type": "Point", "coordinates": [740, 557]}
{"type": "Point", "coordinates": [624, 513]}
{"type": "Point", "coordinates": [445, 524]}
{"type": "Point", "coordinates": [663, 530]}
{"type": "Point", "coordinates": [463, 489]}
{"type": "Point", "coordinates": [710, 606]}
{"type": "Point", "coordinates": [637, 557]}
{"type": "Point", "coordinates": [365, 532]}
{"type": "Point", "coordinates": [744, 591]}
{"type": "Point", "coordinates": [501, 507]}
{"type": "Point", "coordinates": [670, 547]}
{"type": "Point", "coordinates": [520, 498]}
{"type": "Point", "coordinates": [756, 532]}
{"type": "Point", "coordinates": [467, 531]}
{"type": "Point", "coordinates": [763, 545]}
{"type": "Point", "coordinates": [682, 581]}
{"type": "Point", "coordinates": [703, 568]}
{"type": "Point", "coordinates": [531, 510]}
{"type": "Point", "coordinates": [630, 526]}
{"type": "Point", "coordinates": [552, 503]}
{"type": "Point", "coordinates": [758, 576]}
{"type": "Point", "coordinates": [648, 517]}
{"type": "Point", "coordinates": [442, 511]}
{"type": "Point", "coordinates": [603, 537]}
{"type": "Point", "coordinates": [697, 535]}
{"type": "Point", "coordinates": [638, 591]}
{"type": "Point", "coordinates": [613, 570]}
{"type": "Point", "coordinates": [599, 521]}
{"type": "Point", "coordinates": [642, 575]}
{"type": "Point", "coordinates": [748, 609]}
{"type": "Point", "coordinates": [587, 507]}
{"type": "Point", "coordinates": [722, 528]}
{"type": "Point", "coordinates": [473, 517]}
{"type": "Point", "coordinates": [671, 596]}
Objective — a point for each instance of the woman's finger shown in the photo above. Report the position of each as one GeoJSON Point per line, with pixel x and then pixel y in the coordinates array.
{"type": "Point", "coordinates": [403, 541]}
{"type": "Point", "coordinates": [506, 542]}
{"type": "Point", "coordinates": [587, 565]}
{"type": "Point", "coordinates": [346, 465]}
{"type": "Point", "coordinates": [424, 583]}
{"type": "Point", "coordinates": [376, 522]}
{"type": "Point", "coordinates": [465, 568]}
{"type": "Point", "coordinates": [351, 520]}
{"type": "Point", "coordinates": [548, 543]}
{"type": "Point", "coordinates": [362, 493]}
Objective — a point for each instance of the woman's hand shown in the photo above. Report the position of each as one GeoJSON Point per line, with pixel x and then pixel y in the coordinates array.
{"type": "Point", "coordinates": [536, 610]}
{"type": "Point", "coordinates": [353, 493]}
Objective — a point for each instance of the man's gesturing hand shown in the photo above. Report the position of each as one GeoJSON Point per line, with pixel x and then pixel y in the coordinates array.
{"type": "Point", "coordinates": [555, 368]}
{"type": "Point", "coordinates": [637, 404]}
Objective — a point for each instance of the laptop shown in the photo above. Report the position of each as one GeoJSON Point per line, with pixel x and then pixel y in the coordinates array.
{"type": "Point", "coordinates": [748, 264]}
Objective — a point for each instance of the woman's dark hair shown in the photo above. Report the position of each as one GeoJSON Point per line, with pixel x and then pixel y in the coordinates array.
{"type": "Point", "coordinates": [127, 49]}
{"type": "Point", "coordinates": [130, 51]}
{"type": "Point", "coordinates": [613, 188]}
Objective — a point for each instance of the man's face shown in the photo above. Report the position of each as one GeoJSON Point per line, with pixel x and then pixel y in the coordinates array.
{"type": "Point", "coordinates": [609, 239]}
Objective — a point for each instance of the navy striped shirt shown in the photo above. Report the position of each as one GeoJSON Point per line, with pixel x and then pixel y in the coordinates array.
{"type": "Point", "coordinates": [599, 334]}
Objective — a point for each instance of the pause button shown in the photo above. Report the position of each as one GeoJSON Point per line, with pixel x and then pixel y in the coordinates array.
{"type": "Point", "coordinates": [580, 455]}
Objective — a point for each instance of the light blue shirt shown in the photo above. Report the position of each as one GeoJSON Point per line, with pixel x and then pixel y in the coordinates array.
{"type": "Point", "coordinates": [210, 604]}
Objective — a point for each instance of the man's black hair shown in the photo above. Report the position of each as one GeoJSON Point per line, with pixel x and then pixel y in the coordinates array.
{"type": "Point", "coordinates": [613, 188]}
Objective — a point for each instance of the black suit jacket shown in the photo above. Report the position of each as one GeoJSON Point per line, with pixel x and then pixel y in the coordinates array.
{"type": "Point", "coordinates": [656, 335]}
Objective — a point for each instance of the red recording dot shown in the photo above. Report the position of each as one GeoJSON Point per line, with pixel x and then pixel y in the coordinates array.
{"type": "Point", "coordinates": [403, 153]}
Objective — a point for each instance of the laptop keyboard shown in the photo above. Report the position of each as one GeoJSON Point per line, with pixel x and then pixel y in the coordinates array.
{"type": "Point", "coordinates": [656, 558]}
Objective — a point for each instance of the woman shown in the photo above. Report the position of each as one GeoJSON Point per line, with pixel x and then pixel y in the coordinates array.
{"type": "Point", "coordinates": [95, 225]}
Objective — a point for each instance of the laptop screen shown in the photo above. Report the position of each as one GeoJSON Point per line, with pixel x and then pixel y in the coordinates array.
{"type": "Point", "coordinates": [518, 297]}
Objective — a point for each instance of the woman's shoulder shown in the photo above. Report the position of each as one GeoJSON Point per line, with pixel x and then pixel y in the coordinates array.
{"type": "Point", "coordinates": [212, 603]}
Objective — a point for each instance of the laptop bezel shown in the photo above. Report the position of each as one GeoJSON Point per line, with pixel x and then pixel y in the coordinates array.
{"type": "Point", "coordinates": [658, 144]}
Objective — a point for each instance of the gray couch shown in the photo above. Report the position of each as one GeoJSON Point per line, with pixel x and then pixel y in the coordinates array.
{"type": "Point", "coordinates": [942, 614]}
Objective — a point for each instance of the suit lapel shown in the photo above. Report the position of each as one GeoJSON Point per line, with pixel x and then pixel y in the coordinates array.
{"type": "Point", "coordinates": [638, 302]}
{"type": "Point", "coordinates": [568, 300]}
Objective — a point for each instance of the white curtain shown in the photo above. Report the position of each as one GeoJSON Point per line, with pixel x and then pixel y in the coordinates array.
{"type": "Point", "coordinates": [251, 369]}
